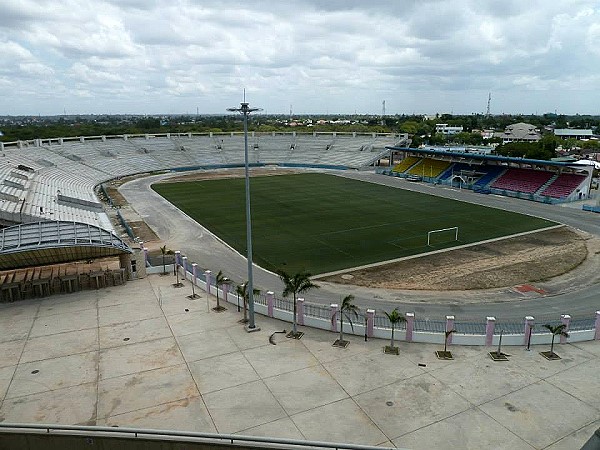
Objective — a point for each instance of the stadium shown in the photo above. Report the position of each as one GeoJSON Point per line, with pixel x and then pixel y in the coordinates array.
{"type": "Point", "coordinates": [467, 242]}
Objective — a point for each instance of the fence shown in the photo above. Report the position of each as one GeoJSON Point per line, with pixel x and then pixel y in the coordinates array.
{"type": "Point", "coordinates": [128, 229]}
{"type": "Point", "coordinates": [414, 329]}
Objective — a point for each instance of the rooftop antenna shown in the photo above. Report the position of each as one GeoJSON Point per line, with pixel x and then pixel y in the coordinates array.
{"type": "Point", "coordinates": [487, 113]}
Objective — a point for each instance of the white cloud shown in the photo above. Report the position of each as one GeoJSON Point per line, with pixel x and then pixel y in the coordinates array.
{"type": "Point", "coordinates": [157, 56]}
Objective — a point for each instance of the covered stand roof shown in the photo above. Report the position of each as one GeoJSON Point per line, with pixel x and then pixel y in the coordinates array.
{"type": "Point", "coordinates": [50, 242]}
{"type": "Point", "coordinates": [463, 156]}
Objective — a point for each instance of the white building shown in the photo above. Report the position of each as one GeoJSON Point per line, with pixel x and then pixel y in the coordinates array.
{"type": "Point", "coordinates": [570, 133]}
{"type": "Point", "coordinates": [446, 129]}
{"type": "Point", "coordinates": [520, 132]}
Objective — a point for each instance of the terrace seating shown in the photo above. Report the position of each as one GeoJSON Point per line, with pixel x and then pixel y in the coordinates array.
{"type": "Point", "coordinates": [406, 164]}
{"type": "Point", "coordinates": [74, 167]}
{"type": "Point", "coordinates": [527, 181]}
{"type": "Point", "coordinates": [564, 185]}
{"type": "Point", "coordinates": [492, 172]}
{"type": "Point", "coordinates": [429, 167]}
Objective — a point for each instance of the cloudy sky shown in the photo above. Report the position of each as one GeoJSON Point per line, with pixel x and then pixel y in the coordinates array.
{"type": "Point", "coordinates": [321, 56]}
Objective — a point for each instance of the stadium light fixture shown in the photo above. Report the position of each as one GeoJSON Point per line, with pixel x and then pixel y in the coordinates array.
{"type": "Point", "coordinates": [245, 109]}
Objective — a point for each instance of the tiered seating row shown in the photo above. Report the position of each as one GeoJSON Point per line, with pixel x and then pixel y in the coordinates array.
{"type": "Point", "coordinates": [428, 167]}
{"type": "Point", "coordinates": [527, 181]}
{"type": "Point", "coordinates": [564, 185]}
{"type": "Point", "coordinates": [73, 168]}
{"type": "Point", "coordinates": [405, 164]}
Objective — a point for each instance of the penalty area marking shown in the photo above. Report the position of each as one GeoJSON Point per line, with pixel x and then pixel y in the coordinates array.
{"type": "Point", "coordinates": [433, 252]}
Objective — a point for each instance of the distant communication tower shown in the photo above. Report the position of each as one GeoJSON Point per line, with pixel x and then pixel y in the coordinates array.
{"type": "Point", "coordinates": [383, 112]}
{"type": "Point", "coordinates": [487, 113]}
{"type": "Point", "coordinates": [291, 112]}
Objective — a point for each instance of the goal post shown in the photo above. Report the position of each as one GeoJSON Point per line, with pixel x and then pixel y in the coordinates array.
{"type": "Point", "coordinates": [452, 231]}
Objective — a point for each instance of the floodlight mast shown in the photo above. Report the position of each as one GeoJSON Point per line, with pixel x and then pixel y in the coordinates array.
{"type": "Point", "coordinates": [245, 109]}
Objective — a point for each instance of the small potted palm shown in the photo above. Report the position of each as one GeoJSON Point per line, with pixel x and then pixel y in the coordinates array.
{"type": "Point", "coordinates": [347, 310]}
{"type": "Point", "coordinates": [556, 330]}
{"type": "Point", "coordinates": [445, 354]}
{"type": "Point", "coordinates": [395, 319]}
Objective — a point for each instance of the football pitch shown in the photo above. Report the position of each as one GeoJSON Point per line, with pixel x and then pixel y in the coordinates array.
{"type": "Point", "coordinates": [322, 223]}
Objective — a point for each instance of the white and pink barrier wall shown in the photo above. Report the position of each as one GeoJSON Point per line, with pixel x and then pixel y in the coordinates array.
{"type": "Point", "coordinates": [408, 333]}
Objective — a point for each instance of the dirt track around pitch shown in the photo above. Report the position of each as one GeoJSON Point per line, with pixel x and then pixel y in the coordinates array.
{"type": "Point", "coordinates": [531, 258]}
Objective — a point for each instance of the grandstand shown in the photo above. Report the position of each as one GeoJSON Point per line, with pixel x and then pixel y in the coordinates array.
{"type": "Point", "coordinates": [563, 185]}
{"type": "Point", "coordinates": [429, 167]}
{"type": "Point", "coordinates": [522, 180]}
{"type": "Point", "coordinates": [54, 179]}
{"type": "Point", "coordinates": [51, 212]}
{"type": "Point", "coordinates": [543, 181]}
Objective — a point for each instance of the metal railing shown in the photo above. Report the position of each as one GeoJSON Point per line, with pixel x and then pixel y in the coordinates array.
{"type": "Point", "coordinates": [91, 432]}
{"type": "Point", "coordinates": [317, 310]}
{"type": "Point", "coordinates": [463, 326]}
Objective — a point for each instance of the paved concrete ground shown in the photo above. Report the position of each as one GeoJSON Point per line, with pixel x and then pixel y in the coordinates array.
{"type": "Point", "coordinates": [133, 356]}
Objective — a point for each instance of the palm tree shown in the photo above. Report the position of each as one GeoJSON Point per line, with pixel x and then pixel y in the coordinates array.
{"type": "Point", "coordinates": [220, 280]}
{"type": "Point", "coordinates": [347, 309]}
{"type": "Point", "coordinates": [395, 319]}
{"type": "Point", "coordinates": [296, 284]}
{"type": "Point", "coordinates": [242, 291]}
{"type": "Point", "coordinates": [447, 334]}
{"type": "Point", "coordinates": [556, 330]}
{"type": "Point", "coordinates": [165, 252]}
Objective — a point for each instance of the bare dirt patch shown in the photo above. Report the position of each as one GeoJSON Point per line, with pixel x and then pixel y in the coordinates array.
{"type": "Point", "coordinates": [116, 197]}
{"type": "Point", "coordinates": [230, 173]}
{"type": "Point", "coordinates": [143, 231]}
{"type": "Point", "coordinates": [535, 257]}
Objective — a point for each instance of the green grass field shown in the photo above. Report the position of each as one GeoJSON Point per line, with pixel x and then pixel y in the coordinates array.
{"type": "Point", "coordinates": [322, 223]}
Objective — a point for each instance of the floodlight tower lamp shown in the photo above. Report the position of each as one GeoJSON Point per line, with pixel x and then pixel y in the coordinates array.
{"type": "Point", "coordinates": [245, 109]}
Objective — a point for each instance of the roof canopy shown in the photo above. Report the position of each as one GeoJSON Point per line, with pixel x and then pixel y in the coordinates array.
{"type": "Point", "coordinates": [51, 242]}
{"type": "Point", "coordinates": [462, 156]}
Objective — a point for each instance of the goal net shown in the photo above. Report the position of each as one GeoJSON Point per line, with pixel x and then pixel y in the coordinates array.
{"type": "Point", "coordinates": [442, 236]}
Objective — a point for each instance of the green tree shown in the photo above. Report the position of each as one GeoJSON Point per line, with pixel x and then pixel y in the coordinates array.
{"type": "Point", "coordinates": [462, 138]}
{"type": "Point", "coordinates": [347, 310]}
{"type": "Point", "coordinates": [437, 139]}
{"type": "Point", "coordinates": [220, 280]}
{"type": "Point", "coordinates": [556, 330]}
{"type": "Point", "coordinates": [298, 283]}
{"type": "Point", "coordinates": [409, 127]}
{"type": "Point", "coordinates": [395, 319]}
{"type": "Point", "coordinates": [590, 145]}
{"type": "Point", "coordinates": [242, 291]}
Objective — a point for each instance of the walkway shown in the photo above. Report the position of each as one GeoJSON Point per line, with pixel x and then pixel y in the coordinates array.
{"type": "Point", "coordinates": [144, 355]}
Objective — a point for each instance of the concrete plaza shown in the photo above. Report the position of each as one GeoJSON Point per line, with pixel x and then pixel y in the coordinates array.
{"type": "Point", "coordinates": [144, 355]}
